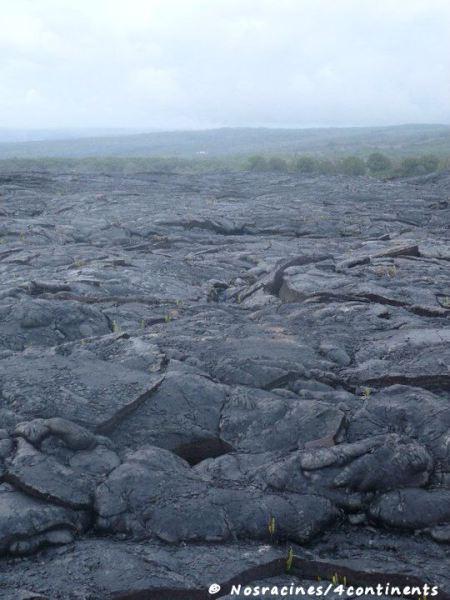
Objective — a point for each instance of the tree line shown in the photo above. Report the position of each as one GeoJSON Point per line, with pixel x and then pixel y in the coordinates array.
{"type": "Point", "coordinates": [376, 164]}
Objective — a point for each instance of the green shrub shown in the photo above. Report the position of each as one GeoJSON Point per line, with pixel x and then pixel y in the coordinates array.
{"type": "Point", "coordinates": [410, 166]}
{"type": "Point", "coordinates": [257, 163]}
{"type": "Point", "coordinates": [414, 166]}
{"type": "Point", "coordinates": [378, 163]}
{"type": "Point", "coordinates": [275, 163]}
{"type": "Point", "coordinates": [305, 164]}
{"type": "Point", "coordinates": [429, 162]}
{"type": "Point", "coordinates": [353, 165]}
{"type": "Point", "coordinates": [326, 167]}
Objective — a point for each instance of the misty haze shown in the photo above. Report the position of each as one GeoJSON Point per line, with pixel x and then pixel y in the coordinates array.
{"type": "Point", "coordinates": [224, 299]}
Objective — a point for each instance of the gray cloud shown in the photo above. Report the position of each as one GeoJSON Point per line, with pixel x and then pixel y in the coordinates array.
{"type": "Point", "coordinates": [202, 63]}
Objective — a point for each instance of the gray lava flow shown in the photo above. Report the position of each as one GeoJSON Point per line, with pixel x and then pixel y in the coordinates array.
{"type": "Point", "coordinates": [199, 371]}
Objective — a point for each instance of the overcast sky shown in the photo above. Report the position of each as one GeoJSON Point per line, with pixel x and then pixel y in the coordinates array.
{"type": "Point", "coordinates": [204, 63]}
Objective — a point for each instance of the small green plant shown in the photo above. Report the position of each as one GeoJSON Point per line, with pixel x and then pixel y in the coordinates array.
{"type": "Point", "coordinates": [272, 527]}
{"type": "Point", "coordinates": [337, 579]}
{"type": "Point", "coordinates": [392, 271]}
{"type": "Point", "coordinates": [366, 392]}
{"type": "Point", "coordinates": [445, 301]}
{"type": "Point", "coordinates": [289, 560]}
{"type": "Point", "coordinates": [116, 327]}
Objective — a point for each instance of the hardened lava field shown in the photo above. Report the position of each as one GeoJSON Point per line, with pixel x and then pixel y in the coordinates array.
{"type": "Point", "coordinates": [199, 371]}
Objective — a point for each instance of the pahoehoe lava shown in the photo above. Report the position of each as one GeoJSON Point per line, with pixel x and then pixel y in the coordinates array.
{"type": "Point", "coordinates": [198, 372]}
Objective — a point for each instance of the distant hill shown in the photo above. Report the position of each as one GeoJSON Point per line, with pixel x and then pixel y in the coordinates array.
{"type": "Point", "coordinates": [9, 135]}
{"type": "Point", "coordinates": [399, 140]}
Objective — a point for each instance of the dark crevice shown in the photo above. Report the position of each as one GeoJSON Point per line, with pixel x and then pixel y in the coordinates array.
{"type": "Point", "coordinates": [287, 296]}
{"type": "Point", "coordinates": [426, 382]}
{"type": "Point", "coordinates": [277, 278]}
{"type": "Point", "coordinates": [201, 449]}
{"type": "Point", "coordinates": [283, 381]}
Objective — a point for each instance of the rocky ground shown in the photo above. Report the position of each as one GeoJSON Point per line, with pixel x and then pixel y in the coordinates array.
{"type": "Point", "coordinates": [198, 372]}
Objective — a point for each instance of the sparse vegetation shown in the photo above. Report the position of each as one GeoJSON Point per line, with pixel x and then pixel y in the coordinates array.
{"type": "Point", "coordinates": [375, 164]}
{"type": "Point", "coordinates": [397, 142]}
{"type": "Point", "coordinates": [338, 580]}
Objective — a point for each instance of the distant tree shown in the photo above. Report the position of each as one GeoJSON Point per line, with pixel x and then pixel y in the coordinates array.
{"type": "Point", "coordinates": [429, 162]}
{"type": "Point", "coordinates": [275, 163]}
{"type": "Point", "coordinates": [353, 165]}
{"type": "Point", "coordinates": [257, 163]}
{"type": "Point", "coordinates": [326, 167]}
{"type": "Point", "coordinates": [410, 167]}
{"type": "Point", "coordinates": [378, 163]}
{"type": "Point", "coordinates": [305, 164]}
{"type": "Point", "coordinates": [414, 166]}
